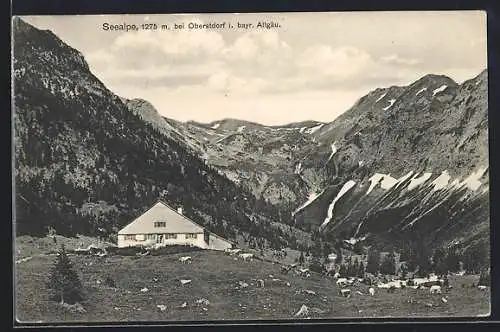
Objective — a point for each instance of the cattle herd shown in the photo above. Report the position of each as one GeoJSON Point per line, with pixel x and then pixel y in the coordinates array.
{"type": "Point", "coordinates": [434, 283]}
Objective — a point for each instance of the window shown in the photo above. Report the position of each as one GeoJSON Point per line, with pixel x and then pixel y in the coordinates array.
{"type": "Point", "coordinates": [151, 236]}
{"type": "Point", "coordinates": [171, 236]}
{"type": "Point", "coordinates": [191, 236]}
{"type": "Point", "coordinates": [129, 237]}
{"type": "Point", "coordinates": [158, 224]}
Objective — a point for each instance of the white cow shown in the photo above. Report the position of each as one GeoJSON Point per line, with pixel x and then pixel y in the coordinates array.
{"type": "Point", "coordinates": [372, 291]}
{"type": "Point", "coordinates": [345, 292]}
{"type": "Point", "coordinates": [185, 260]}
{"type": "Point", "coordinates": [436, 289]}
{"type": "Point", "coordinates": [233, 251]}
{"type": "Point", "coordinates": [185, 281]}
{"type": "Point", "coordinates": [304, 273]}
{"type": "Point", "coordinates": [246, 256]}
{"type": "Point", "coordinates": [341, 281]}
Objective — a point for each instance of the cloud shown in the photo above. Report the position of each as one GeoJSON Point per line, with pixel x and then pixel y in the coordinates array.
{"type": "Point", "coordinates": [342, 62]}
{"type": "Point", "coordinates": [269, 62]}
{"type": "Point", "coordinates": [397, 60]}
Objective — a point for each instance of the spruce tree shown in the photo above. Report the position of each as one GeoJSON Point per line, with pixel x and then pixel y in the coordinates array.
{"type": "Point", "coordinates": [373, 261]}
{"type": "Point", "coordinates": [439, 261]}
{"type": "Point", "coordinates": [63, 280]}
{"type": "Point", "coordinates": [339, 260]}
{"type": "Point", "coordinates": [301, 258]}
{"type": "Point", "coordinates": [388, 265]}
{"type": "Point", "coordinates": [361, 270]}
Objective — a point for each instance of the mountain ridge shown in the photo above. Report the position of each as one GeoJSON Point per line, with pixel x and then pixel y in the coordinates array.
{"type": "Point", "coordinates": [87, 164]}
{"type": "Point", "coordinates": [303, 174]}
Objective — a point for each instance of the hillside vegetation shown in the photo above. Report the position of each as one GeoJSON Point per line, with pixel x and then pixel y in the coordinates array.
{"type": "Point", "coordinates": [86, 164]}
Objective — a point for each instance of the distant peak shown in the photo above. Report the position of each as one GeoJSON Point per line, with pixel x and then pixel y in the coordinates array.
{"type": "Point", "coordinates": [435, 79]}
{"type": "Point", "coordinates": [35, 40]}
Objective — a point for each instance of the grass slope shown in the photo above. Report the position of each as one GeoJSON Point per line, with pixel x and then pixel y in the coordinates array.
{"type": "Point", "coordinates": [215, 277]}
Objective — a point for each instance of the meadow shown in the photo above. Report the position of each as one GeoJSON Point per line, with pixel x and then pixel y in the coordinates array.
{"type": "Point", "coordinates": [217, 291]}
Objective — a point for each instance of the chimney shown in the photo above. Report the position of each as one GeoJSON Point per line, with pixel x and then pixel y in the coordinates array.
{"type": "Point", "coordinates": [179, 210]}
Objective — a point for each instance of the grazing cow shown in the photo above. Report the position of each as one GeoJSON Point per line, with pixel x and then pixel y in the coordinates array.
{"type": "Point", "coordinates": [304, 273]}
{"type": "Point", "coordinates": [185, 260]}
{"type": "Point", "coordinates": [341, 281]}
{"type": "Point", "coordinates": [372, 291]}
{"type": "Point", "coordinates": [285, 269]}
{"type": "Point", "coordinates": [185, 281]}
{"type": "Point", "coordinates": [246, 256]}
{"type": "Point", "coordinates": [233, 251]}
{"type": "Point", "coordinates": [261, 282]}
{"type": "Point", "coordinates": [345, 292]}
{"type": "Point", "coordinates": [436, 289]}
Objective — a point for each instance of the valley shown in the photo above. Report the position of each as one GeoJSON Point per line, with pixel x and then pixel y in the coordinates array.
{"type": "Point", "coordinates": [402, 176]}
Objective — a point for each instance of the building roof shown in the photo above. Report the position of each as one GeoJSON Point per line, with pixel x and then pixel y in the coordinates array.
{"type": "Point", "coordinates": [223, 238]}
{"type": "Point", "coordinates": [175, 222]}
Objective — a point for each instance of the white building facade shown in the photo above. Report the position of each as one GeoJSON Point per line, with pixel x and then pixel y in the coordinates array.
{"type": "Point", "coordinates": [161, 225]}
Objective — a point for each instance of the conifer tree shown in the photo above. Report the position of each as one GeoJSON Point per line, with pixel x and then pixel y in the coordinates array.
{"type": "Point", "coordinates": [361, 270]}
{"type": "Point", "coordinates": [388, 265]}
{"type": "Point", "coordinates": [63, 279]}
{"type": "Point", "coordinates": [373, 261]}
{"type": "Point", "coordinates": [301, 258]}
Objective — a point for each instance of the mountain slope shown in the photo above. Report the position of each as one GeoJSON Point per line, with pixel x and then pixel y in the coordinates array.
{"type": "Point", "coordinates": [434, 128]}
{"type": "Point", "coordinates": [262, 159]}
{"type": "Point", "coordinates": [392, 148]}
{"type": "Point", "coordinates": [86, 164]}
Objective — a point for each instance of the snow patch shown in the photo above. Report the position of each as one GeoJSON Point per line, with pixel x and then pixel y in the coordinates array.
{"type": "Point", "coordinates": [298, 168]}
{"type": "Point", "coordinates": [345, 188]}
{"type": "Point", "coordinates": [440, 89]}
{"type": "Point", "coordinates": [379, 98]}
{"type": "Point", "coordinates": [334, 150]}
{"type": "Point", "coordinates": [314, 129]}
{"type": "Point", "coordinates": [420, 91]}
{"type": "Point", "coordinates": [240, 129]}
{"type": "Point", "coordinates": [386, 181]}
{"type": "Point", "coordinates": [392, 101]}
{"type": "Point", "coordinates": [312, 197]}
{"type": "Point", "coordinates": [302, 129]}
{"type": "Point", "coordinates": [441, 181]}
{"type": "Point", "coordinates": [373, 181]}
{"type": "Point", "coordinates": [215, 126]}
{"type": "Point", "coordinates": [416, 181]}
{"type": "Point", "coordinates": [472, 181]}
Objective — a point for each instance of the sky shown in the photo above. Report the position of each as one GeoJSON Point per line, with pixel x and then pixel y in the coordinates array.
{"type": "Point", "coordinates": [315, 66]}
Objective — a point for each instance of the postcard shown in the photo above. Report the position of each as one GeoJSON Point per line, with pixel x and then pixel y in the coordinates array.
{"type": "Point", "coordinates": [250, 167]}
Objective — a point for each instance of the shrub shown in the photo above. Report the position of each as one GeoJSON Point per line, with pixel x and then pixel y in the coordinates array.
{"type": "Point", "coordinates": [316, 266]}
{"type": "Point", "coordinates": [64, 281]}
